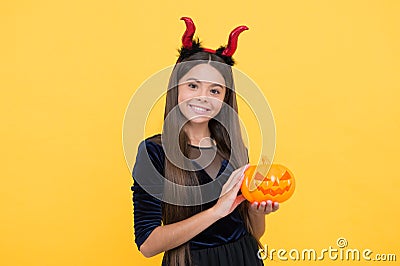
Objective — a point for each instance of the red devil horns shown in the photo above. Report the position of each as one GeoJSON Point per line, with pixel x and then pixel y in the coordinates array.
{"type": "Point", "coordinates": [188, 35]}
{"type": "Point", "coordinates": [232, 42]}
{"type": "Point", "coordinates": [233, 39]}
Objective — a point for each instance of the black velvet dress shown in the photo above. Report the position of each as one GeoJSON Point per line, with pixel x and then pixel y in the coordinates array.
{"type": "Point", "coordinates": [225, 242]}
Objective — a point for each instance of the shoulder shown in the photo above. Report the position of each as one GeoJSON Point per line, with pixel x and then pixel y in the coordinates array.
{"type": "Point", "coordinates": [155, 139]}
{"type": "Point", "coordinates": [150, 153]}
{"type": "Point", "coordinates": [152, 146]}
{"type": "Point", "coordinates": [149, 156]}
{"type": "Point", "coordinates": [150, 142]}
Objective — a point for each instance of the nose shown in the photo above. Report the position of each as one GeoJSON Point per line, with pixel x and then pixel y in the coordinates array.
{"type": "Point", "coordinates": [275, 180]}
{"type": "Point", "coordinates": [201, 99]}
{"type": "Point", "coordinates": [202, 94]}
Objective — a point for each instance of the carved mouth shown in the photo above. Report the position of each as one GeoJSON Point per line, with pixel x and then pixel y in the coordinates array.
{"type": "Point", "coordinates": [272, 192]}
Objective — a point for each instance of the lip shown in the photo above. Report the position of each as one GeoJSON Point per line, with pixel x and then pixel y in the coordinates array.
{"type": "Point", "coordinates": [198, 109]}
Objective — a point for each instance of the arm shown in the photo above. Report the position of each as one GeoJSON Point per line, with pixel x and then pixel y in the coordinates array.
{"type": "Point", "coordinates": [257, 223]}
{"type": "Point", "coordinates": [172, 235]}
{"type": "Point", "coordinates": [257, 214]}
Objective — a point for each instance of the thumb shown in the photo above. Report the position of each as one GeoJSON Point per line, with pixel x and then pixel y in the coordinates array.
{"type": "Point", "coordinates": [239, 199]}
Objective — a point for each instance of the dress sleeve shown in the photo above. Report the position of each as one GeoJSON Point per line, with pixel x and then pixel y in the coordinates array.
{"type": "Point", "coordinates": [146, 207]}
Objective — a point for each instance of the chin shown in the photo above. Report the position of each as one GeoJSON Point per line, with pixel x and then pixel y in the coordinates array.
{"type": "Point", "coordinates": [200, 120]}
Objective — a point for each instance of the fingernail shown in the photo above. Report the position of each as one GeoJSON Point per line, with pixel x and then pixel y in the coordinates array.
{"type": "Point", "coordinates": [244, 170]}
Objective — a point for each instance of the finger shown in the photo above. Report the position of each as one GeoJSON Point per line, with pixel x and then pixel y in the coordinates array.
{"type": "Point", "coordinates": [262, 206]}
{"type": "Point", "coordinates": [228, 185]}
{"type": "Point", "coordinates": [254, 205]}
{"type": "Point", "coordinates": [239, 199]}
{"type": "Point", "coordinates": [246, 166]}
{"type": "Point", "coordinates": [268, 207]}
{"type": "Point", "coordinates": [236, 184]}
{"type": "Point", "coordinates": [240, 171]}
{"type": "Point", "coordinates": [235, 189]}
{"type": "Point", "coordinates": [237, 174]}
{"type": "Point", "coordinates": [236, 177]}
{"type": "Point", "coordinates": [239, 183]}
{"type": "Point", "coordinates": [275, 206]}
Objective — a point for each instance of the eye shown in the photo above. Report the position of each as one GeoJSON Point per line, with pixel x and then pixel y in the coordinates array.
{"type": "Point", "coordinates": [215, 91]}
{"type": "Point", "coordinates": [286, 176]}
{"type": "Point", "coordinates": [192, 85]}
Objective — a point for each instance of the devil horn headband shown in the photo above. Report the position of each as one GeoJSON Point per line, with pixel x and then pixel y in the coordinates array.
{"type": "Point", "coordinates": [190, 46]}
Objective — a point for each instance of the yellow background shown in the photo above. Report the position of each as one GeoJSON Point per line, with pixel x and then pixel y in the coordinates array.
{"type": "Point", "coordinates": [329, 69]}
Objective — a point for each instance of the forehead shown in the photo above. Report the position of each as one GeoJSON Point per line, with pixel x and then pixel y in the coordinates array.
{"type": "Point", "coordinates": [205, 73]}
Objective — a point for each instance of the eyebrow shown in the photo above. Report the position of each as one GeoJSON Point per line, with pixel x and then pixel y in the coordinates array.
{"type": "Point", "coordinates": [213, 84]}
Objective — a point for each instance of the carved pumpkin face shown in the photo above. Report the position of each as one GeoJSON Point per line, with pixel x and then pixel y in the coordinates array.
{"type": "Point", "coordinates": [278, 185]}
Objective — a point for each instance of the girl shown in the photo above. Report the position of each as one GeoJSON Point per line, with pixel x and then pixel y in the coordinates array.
{"type": "Point", "coordinates": [201, 144]}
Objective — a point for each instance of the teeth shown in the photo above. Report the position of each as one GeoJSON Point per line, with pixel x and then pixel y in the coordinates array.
{"type": "Point", "coordinates": [199, 109]}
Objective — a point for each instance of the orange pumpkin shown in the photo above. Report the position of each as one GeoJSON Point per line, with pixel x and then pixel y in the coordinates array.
{"type": "Point", "coordinates": [277, 185]}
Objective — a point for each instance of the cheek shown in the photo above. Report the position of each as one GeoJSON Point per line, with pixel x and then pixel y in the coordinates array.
{"type": "Point", "coordinates": [180, 100]}
{"type": "Point", "coordinates": [220, 100]}
{"type": "Point", "coordinates": [217, 104]}
{"type": "Point", "coordinates": [181, 95]}
{"type": "Point", "coordinates": [184, 95]}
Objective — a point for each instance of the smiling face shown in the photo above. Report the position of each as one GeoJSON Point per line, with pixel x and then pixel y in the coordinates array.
{"type": "Point", "coordinates": [201, 92]}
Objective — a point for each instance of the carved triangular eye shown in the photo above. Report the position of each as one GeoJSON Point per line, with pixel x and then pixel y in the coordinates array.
{"type": "Point", "coordinates": [256, 181]}
{"type": "Point", "coordinates": [286, 176]}
{"type": "Point", "coordinates": [259, 177]}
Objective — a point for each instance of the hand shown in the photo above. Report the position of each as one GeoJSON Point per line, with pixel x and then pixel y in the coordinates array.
{"type": "Point", "coordinates": [263, 207]}
{"type": "Point", "coordinates": [229, 199]}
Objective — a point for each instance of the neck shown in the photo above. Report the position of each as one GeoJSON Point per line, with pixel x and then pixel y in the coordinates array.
{"type": "Point", "coordinates": [199, 134]}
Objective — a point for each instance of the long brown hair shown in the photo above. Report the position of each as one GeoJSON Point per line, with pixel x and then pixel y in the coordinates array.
{"type": "Point", "coordinates": [172, 213]}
